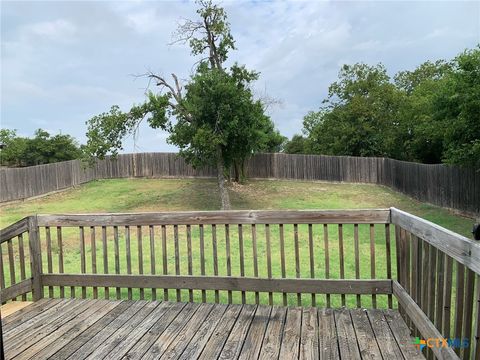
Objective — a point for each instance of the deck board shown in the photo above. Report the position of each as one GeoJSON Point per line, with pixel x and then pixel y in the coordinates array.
{"type": "Point", "coordinates": [80, 329]}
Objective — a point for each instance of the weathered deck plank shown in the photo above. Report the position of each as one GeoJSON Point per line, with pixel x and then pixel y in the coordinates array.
{"type": "Point", "coordinates": [365, 337]}
{"type": "Point", "coordinates": [147, 340]}
{"type": "Point", "coordinates": [234, 343]}
{"type": "Point", "coordinates": [385, 338]}
{"type": "Point", "coordinates": [79, 329]}
{"type": "Point", "coordinates": [57, 339]}
{"type": "Point", "coordinates": [327, 335]}
{"type": "Point", "coordinates": [198, 341]}
{"type": "Point", "coordinates": [347, 341]}
{"type": "Point", "coordinates": [95, 340]}
{"type": "Point", "coordinates": [291, 334]}
{"type": "Point", "coordinates": [273, 336]}
{"type": "Point", "coordinates": [254, 339]}
{"type": "Point", "coordinates": [116, 315]}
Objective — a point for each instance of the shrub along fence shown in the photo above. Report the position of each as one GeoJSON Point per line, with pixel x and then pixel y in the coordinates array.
{"type": "Point", "coordinates": [447, 186]}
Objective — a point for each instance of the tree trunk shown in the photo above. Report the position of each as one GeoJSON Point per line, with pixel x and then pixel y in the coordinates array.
{"type": "Point", "coordinates": [243, 175]}
{"type": "Point", "coordinates": [237, 171]}
{"type": "Point", "coordinates": [221, 180]}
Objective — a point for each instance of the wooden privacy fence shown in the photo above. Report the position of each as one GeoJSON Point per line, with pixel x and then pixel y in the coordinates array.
{"type": "Point", "coordinates": [313, 258]}
{"type": "Point", "coordinates": [442, 185]}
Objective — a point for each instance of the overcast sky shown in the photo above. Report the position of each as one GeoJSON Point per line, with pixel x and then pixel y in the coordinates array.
{"type": "Point", "coordinates": [63, 62]}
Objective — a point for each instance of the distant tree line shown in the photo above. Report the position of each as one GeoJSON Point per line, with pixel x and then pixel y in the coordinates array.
{"type": "Point", "coordinates": [428, 115]}
{"type": "Point", "coordinates": [17, 151]}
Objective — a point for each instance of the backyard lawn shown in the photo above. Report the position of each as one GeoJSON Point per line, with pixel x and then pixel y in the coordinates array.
{"type": "Point", "coordinates": [131, 195]}
{"type": "Point", "coordinates": [137, 195]}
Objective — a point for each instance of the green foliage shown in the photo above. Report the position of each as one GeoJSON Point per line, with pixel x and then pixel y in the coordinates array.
{"type": "Point", "coordinates": [297, 145]}
{"type": "Point", "coordinates": [459, 104]}
{"type": "Point", "coordinates": [41, 149]}
{"type": "Point", "coordinates": [430, 114]}
{"type": "Point", "coordinates": [106, 131]}
{"type": "Point", "coordinates": [219, 32]}
{"type": "Point", "coordinates": [357, 115]}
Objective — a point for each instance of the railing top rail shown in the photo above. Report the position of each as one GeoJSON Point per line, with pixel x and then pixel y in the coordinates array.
{"type": "Point", "coordinates": [377, 216]}
{"type": "Point", "coordinates": [14, 229]}
{"type": "Point", "coordinates": [460, 248]}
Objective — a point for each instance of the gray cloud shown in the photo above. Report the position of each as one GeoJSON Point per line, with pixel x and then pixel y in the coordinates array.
{"type": "Point", "coordinates": [63, 62]}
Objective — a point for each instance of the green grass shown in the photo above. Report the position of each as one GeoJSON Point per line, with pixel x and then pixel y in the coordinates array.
{"type": "Point", "coordinates": [127, 195]}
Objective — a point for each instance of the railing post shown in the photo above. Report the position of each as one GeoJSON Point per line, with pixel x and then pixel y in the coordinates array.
{"type": "Point", "coordinates": [35, 257]}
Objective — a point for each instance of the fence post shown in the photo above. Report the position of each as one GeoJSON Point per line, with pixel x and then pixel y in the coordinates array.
{"type": "Point", "coordinates": [35, 257]}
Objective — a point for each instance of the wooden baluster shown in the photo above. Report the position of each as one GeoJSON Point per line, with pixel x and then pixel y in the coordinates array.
{"type": "Point", "coordinates": [282, 259]}
{"type": "Point", "coordinates": [398, 250]}
{"type": "Point", "coordinates": [459, 298]}
{"type": "Point", "coordinates": [202, 259]}
{"type": "Point", "coordinates": [413, 273]}
{"type": "Point", "coordinates": [164, 258]}
{"type": "Point", "coordinates": [83, 264]}
{"type": "Point", "coordinates": [140, 258]}
{"type": "Point", "coordinates": [425, 272]}
{"type": "Point", "coordinates": [406, 257]}
{"type": "Point", "coordinates": [372, 261]}
{"type": "Point", "coordinates": [357, 260]}
{"type": "Point", "coordinates": [189, 255]}
{"type": "Point", "coordinates": [388, 251]}
{"type": "Point", "coordinates": [129, 257]}
{"type": "Point", "coordinates": [312, 260]}
{"type": "Point", "coordinates": [417, 273]}
{"type": "Point", "coordinates": [476, 343]}
{"type": "Point", "coordinates": [215, 258]}
{"type": "Point", "coordinates": [447, 297]}
{"type": "Point", "coordinates": [327, 258]}
{"type": "Point", "coordinates": [93, 248]}
{"type": "Point", "coordinates": [2, 275]}
{"type": "Point", "coordinates": [152, 257]}
{"type": "Point", "coordinates": [117, 257]}
{"type": "Point", "coordinates": [60, 257]}
{"type": "Point", "coordinates": [468, 311]}
{"type": "Point", "coordinates": [177, 258]}
{"type": "Point", "coordinates": [228, 258]}
{"type": "Point", "coordinates": [440, 287]}
{"type": "Point", "coordinates": [269, 260]}
{"type": "Point", "coordinates": [432, 283]}
{"type": "Point", "coordinates": [255, 259]}
{"type": "Point", "coordinates": [49, 257]}
{"type": "Point", "coordinates": [11, 263]}
{"type": "Point", "coordinates": [406, 266]}
{"type": "Point", "coordinates": [21, 254]}
{"type": "Point", "coordinates": [105, 259]}
{"type": "Point", "coordinates": [341, 258]}
{"type": "Point", "coordinates": [297, 260]}
{"type": "Point", "coordinates": [242, 257]}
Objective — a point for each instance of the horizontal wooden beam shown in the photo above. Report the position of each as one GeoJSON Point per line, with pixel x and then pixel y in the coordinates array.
{"type": "Point", "coordinates": [380, 216]}
{"type": "Point", "coordinates": [307, 286]}
{"type": "Point", "coordinates": [13, 291]}
{"type": "Point", "coordinates": [462, 249]}
{"type": "Point", "coordinates": [421, 321]}
{"type": "Point", "coordinates": [13, 230]}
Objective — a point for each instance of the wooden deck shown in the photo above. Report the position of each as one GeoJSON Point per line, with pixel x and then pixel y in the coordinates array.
{"type": "Point", "coordinates": [94, 329]}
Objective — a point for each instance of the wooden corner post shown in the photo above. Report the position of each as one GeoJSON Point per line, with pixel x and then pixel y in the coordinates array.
{"type": "Point", "coordinates": [35, 257]}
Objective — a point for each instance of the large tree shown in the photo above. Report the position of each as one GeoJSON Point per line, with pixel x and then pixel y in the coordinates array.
{"type": "Point", "coordinates": [213, 118]}
{"type": "Point", "coordinates": [430, 114]}
{"type": "Point", "coordinates": [43, 148]}
{"type": "Point", "coordinates": [358, 115]}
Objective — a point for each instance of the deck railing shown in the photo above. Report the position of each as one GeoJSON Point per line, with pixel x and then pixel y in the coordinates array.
{"type": "Point", "coordinates": [351, 258]}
